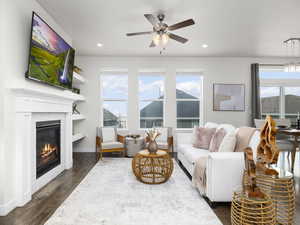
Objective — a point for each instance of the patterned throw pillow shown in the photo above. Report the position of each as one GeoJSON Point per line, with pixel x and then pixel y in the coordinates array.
{"type": "Point", "coordinates": [217, 140]}
{"type": "Point", "coordinates": [202, 137]}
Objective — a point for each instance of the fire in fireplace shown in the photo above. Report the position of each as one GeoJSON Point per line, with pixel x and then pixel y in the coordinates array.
{"type": "Point", "coordinates": [47, 146]}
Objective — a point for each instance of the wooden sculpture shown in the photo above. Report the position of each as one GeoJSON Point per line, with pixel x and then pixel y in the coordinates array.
{"type": "Point", "coordinates": [267, 151]}
{"type": "Point", "coordinates": [250, 188]}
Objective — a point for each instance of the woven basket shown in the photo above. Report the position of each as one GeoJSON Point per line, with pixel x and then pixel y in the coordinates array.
{"type": "Point", "coordinates": [246, 211]}
{"type": "Point", "coordinates": [282, 192]}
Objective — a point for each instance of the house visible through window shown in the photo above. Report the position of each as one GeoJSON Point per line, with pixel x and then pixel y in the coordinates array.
{"type": "Point", "coordinates": [114, 88]}
{"type": "Point", "coordinates": [280, 94]}
{"type": "Point", "coordinates": [151, 100]}
{"type": "Point", "coordinates": [188, 96]}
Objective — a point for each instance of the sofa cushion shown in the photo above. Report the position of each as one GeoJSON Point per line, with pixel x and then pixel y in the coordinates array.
{"type": "Point", "coordinates": [108, 134]}
{"type": "Point", "coordinates": [254, 142]}
{"type": "Point", "coordinates": [217, 140]}
{"type": "Point", "coordinates": [243, 137]}
{"type": "Point", "coordinates": [191, 154]}
{"type": "Point", "coordinates": [211, 125]}
{"type": "Point", "coordinates": [112, 145]}
{"type": "Point", "coordinates": [202, 137]}
{"type": "Point", "coordinates": [227, 127]}
{"type": "Point", "coordinates": [228, 143]}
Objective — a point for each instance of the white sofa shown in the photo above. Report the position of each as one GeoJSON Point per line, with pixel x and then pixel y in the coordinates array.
{"type": "Point", "coordinates": [224, 170]}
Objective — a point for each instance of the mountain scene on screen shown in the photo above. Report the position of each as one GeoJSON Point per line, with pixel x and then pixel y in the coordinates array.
{"type": "Point", "coordinates": [51, 58]}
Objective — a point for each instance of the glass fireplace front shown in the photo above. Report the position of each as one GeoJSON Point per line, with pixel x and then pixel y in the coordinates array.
{"type": "Point", "coordinates": [47, 146]}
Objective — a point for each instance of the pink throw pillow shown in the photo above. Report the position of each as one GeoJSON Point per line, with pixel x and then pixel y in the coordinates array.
{"type": "Point", "coordinates": [216, 140]}
{"type": "Point", "coordinates": [202, 137]}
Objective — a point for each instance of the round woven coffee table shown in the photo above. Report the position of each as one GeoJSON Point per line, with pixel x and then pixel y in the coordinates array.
{"type": "Point", "coordinates": [152, 168]}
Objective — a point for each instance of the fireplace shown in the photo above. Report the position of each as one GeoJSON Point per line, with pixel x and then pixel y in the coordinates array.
{"type": "Point", "coordinates": [47, 146]}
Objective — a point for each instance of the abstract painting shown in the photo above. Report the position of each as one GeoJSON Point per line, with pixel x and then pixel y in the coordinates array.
{"type": "Point", "coordinates": [229, 97]}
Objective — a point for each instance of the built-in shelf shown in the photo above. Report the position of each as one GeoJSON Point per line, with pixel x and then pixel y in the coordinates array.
{"type": "Point", "coordinates": [78, 117]}
{"type": "Point", "coordinates": [77, 137]}
{"type": "Point", "coordinates": [78, 79]}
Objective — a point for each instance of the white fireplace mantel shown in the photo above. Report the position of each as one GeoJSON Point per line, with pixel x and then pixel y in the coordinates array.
{"type": "Point", "coordinates": [33, 105]}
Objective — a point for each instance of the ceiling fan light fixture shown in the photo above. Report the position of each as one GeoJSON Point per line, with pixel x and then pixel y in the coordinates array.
{"type": "Point", "coordinates": [164, 39]}
{"type": "Point", "coordinates": [156, 39]}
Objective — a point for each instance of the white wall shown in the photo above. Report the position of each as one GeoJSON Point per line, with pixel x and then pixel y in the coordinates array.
{"type": "Point", "coordinates": [15, 47]}
{"type": "Point", "coordinates": [215, 70]}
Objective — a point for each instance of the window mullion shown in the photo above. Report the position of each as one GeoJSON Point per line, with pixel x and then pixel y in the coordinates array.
{"type": "Point", "coordinates": [282, 102]}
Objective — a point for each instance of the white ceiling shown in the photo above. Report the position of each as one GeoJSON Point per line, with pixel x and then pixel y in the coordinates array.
{"type": "Point", "coordinates": [230, 27]}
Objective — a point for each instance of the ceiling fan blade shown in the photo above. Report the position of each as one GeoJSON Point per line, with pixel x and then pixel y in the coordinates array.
{"type": "Point", "coordinates": [181, 24]}
{"type": "Point", "coordinates": [139, 33]}
{"type": "Point", "coordinates": [152, 44]}
{"type": "Point", "coordinates": [178, 38]}
{"type": "Point", "coordinates": [152, 19]}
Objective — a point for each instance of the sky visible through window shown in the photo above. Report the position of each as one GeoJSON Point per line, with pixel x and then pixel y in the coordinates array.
{"type": "Point", "coordinates": [274, 91]}
{"type": "Point", "coordinates": [151, 87]}
{"type": "Point", "coordinates": [189, 84]}
{"type": "Point", "coordinates": [115, 87]}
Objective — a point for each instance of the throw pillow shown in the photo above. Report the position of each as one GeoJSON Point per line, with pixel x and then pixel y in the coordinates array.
{"type": "Point", "coordinates": [243, 137]}
{"type": "Point", "coordinates": [108, 135]}
{"type": "Point", "coordinates": [217, 140]}
{"type": "Point", "coordinates": [228, 142]}
{"type": "Point", "coordinates": [203, 137]}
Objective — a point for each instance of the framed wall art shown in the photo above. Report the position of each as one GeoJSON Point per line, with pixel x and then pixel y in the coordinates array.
{"type": "Point", "coordinates": [229, 97]}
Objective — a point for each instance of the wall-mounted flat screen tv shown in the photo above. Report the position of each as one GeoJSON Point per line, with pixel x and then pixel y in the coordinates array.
{"type": "Point", "coordinates": [51, 58]}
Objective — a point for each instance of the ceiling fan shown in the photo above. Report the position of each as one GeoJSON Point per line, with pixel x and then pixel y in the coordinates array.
{"type": "Point", "coordinates": [161, 30]}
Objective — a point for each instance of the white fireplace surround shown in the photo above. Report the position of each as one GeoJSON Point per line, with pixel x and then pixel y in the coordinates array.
{"type": "Point", "coordinates": [32, 106]}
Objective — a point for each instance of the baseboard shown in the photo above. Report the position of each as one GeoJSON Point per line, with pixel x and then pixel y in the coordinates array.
{"type": "Point", "coordinates": [7, 207]}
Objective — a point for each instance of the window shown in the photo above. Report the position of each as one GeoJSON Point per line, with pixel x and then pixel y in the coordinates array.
{"type": "Point", "coordinates": [114, 88]}
{"type": "Point", "coordinates": [188, 95]}
{"type": "Point", "coordinates": [280, 94]}
{"type": "Point", "coordinates": [292, 102]}
{"type": "Point", "coordinates": [151, 100]}
{"type": "Point", "coordinates": [270, 101]}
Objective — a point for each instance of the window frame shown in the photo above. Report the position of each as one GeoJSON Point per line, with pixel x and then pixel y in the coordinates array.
{"type": "Point", "coordinates": [200, 99]}
{"type": "Point", "coordinates": [102, 99]}
{"type": "Point", "coordinates": [151, 74]}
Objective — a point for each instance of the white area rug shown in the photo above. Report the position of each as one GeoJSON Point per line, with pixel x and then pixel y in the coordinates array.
{"type": "Point", "coordinates": [111, 195]}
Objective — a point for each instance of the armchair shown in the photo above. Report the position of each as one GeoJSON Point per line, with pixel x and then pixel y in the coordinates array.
{"type": "Point", "coordinates": [107, 140]}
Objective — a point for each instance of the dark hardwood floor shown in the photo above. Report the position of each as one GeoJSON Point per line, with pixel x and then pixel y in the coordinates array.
{"type": "Point", "coordinates": [49, 198]}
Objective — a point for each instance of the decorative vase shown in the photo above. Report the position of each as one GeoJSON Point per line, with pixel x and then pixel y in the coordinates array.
{"type": "Point", "coordinates": [152, 147]}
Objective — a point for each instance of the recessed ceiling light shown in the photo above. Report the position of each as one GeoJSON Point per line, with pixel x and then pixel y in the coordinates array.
{"type": "Point", "coordinates": [99, 45]}
{"type": "Point", "coordinates": [204, 46]}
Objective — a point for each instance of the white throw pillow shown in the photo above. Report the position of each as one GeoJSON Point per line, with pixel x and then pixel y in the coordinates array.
{"type": "Point", "coordinates": [163, 137]}
{"type": "Point", "coordinates": [211, 125]}
{"type": "Point", "coordinates": [227, 127]}
{"type": "Point", "coordinates": [254, 142]}
{"type": "Point", "coordinates": [228, 142]}
{"type": "Point", "coordinates": [108, 135]}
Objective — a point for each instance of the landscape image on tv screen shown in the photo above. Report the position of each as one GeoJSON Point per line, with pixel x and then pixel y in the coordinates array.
{"type": "Point", "coordinates": [51, 59]}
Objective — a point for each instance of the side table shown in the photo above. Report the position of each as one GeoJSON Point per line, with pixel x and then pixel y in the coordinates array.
{"type": "Point", "coordinates": [246, 211]}
{"type": "Point", "coordinates": [152, 168]}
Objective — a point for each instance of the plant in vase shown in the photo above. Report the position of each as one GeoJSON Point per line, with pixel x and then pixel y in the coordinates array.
{"type": "Point", "coordinates": [151, 136]}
